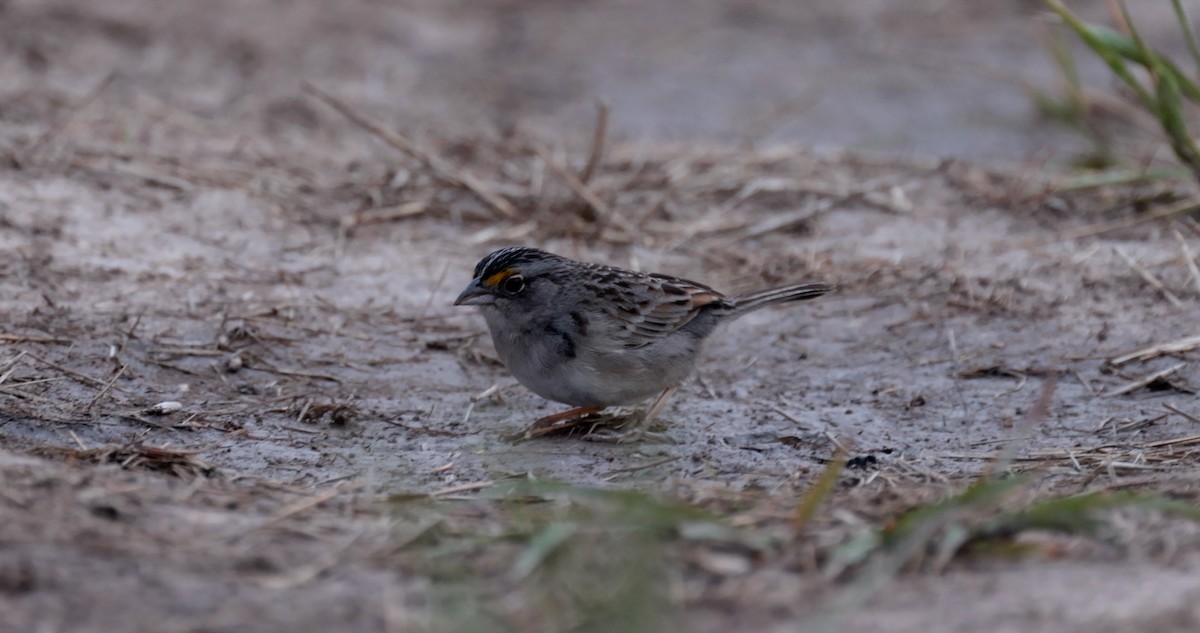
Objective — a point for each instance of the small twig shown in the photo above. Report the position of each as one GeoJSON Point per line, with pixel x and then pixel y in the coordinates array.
{"type": "Point", "coordinates": [396, 140]}
{"type": "Point", "coordinates": [1174, 409]}
{"type": "Point", "coordinates": [784, 413]}
{"type": "Point", "coordinates": [294, 508]}
{"type": "Point", "coordinates": [106, 387]}
{"type": "Point", "coordinates": [17, 393]}
{"type": "Point", "coordinates": [478, 485]}
{"type": "Point", "coordinates": [304, 411]}
{"type": "Point", "coordinates": [72, 373]}
{"type": "Point", "coordinates": [1021, 380]}
{"type": "Point", "coordinates": [486, 393]}
{"type": "Point", "coordinates": [381, 216]}
{"type": "Point", "coordinates": [187, 351]}
{"type": "Point", "coordinates": [261, 365]}
{"type": "Point", "coordinates": [633, 469]}
{"type": "Point", "coordinates": [1188, 259]}
{"type": "Point", "coordinates": [1148, 277]}
{"type": "Point", "coordinates": [10, 366]}
{"type": "Point", "coordinates": [26, 338]}
{"type": "Point", "coordinates": [597, 211]}
{"type": "Point", "coordinates": [1144, 380]}
{"type": "Point", "coordinates": [1184, 207]}
{"type": "Point", "coordinates": [1177, 346]}
{"type": "Point", "coordinates": [1074, 462]}
{"type": "Point", "coordinates": [1190, 439]}
{"type": "Point", "coordinates": [1083, 381]}
{"type": "Point", "coordinates": [78, 441]}
{"type": "Point", "coordinates": [836, 442]}
{"type": "Point", "coordinates": [599, 134]}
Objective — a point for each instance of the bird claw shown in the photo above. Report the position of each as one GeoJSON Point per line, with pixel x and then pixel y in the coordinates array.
{"type": "Point", "coordinates": [632, 436]}
{"type": "Point", "coordinates": [631, 432]}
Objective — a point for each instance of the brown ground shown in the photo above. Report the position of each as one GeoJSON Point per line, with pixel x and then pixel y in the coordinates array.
{"type": "Point", "coordinates": [201, 229]}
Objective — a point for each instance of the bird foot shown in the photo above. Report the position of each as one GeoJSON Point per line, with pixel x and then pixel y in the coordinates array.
{"type": "Point", "coordinates": [637, 428]}
{"type": "Point", "coordinates": [628, 434]}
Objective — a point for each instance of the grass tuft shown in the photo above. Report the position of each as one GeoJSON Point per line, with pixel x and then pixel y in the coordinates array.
{"type": "Point", "coordinates": [542, 556]}
{"type": "Point", "coordinates": [1164, 91]}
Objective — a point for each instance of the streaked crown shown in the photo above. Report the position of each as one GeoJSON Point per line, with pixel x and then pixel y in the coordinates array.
{"type": "Point", "coordinates": [501, 262]}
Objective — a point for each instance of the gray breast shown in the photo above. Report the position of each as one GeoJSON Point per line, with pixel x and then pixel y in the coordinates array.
{"type": "Point", "coordinates": [571, 360]}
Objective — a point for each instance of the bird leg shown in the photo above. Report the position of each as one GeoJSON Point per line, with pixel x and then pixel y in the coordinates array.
{"type": "Point", "coordinates": [640, 428]}
{"type": "Point", "coordinates": [656, 407]}
{"type": "Point", "coordinates": [557, 422]}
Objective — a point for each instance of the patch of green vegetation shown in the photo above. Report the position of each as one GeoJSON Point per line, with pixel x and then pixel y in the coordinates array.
{"type": "Point", "coordinates": [538, 556]}
{"type": "Point", "coordinates": [553, 557]}
{"type": "Point", "coordinates": [1160, 88]}
{"type": "Point", "coordinates": [1072, 107]}
{"type": "Point", "coordinates": [987, 519]}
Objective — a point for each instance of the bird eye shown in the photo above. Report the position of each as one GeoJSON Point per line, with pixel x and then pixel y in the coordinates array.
{"type": "Point", "coordinates": [513, 284]}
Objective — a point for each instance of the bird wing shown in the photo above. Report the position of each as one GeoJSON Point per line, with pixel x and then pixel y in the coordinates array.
{"type": "Point", "coordinates": [648, 307]}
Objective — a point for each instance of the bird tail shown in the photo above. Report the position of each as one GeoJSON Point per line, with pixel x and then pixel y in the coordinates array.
{"type": "Point", "coordinates": [799, 292]}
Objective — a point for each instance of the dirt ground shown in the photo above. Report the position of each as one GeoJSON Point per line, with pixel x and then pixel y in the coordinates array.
{"type": "Point", "coordinates": [184, 219]}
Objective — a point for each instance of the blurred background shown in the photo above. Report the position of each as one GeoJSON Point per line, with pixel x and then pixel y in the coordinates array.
{"type": "Point", "coordinates": [927, 77]}
{"type": "Point", "coordinates": [196, 210]}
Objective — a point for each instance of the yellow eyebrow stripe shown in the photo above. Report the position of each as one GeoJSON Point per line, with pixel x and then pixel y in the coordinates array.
{"type": "Point", "coordinates": [499, 277]}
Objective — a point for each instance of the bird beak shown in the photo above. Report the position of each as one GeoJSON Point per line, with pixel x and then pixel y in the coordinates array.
{"type": "Point", "coordinates": [475, 295]}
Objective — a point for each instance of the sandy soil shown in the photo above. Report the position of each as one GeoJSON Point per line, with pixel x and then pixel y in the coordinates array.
{"type": "Point", "coordinates": [182, 221]}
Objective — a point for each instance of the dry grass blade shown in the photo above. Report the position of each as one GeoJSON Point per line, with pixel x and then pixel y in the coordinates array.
{"type": "Point", "coordinates": [597, 210]}
{"type": "Point", "coordinates": [261, 365]}
{"type": "Point", "coordinates": [1143, 381]}
{"type": "Point", "coordinates": [612, 474]}
{"type": "Point", "coordinates": [1148, 276]}
{"type": "Point", "coordinates": [108, 386]}
{"type": "Point", "coordinates": [293, 509]}
{"type": "Point", "coordinates": [396, 140]}
{"type": "Point", "coordinates": [468, 487]}
{"type": "Point", "coordinates": [26, 338]}
{"type": "Point", "coordinates": [9, 366]}
{"type": "Point", "coordinates": [1175, 441]}
{"type": "Point", "coordinates": [599, 134]}
{"type": "Point", "coordinates": [1177, 346]}
{"type": "Point", "coordinates": [1180, 209]}
{"type": "Point", "coordinates": [1189, 260]}
{"type": "Point", "coordinates": [96, 382]}
{"type": "Point", "coordinates": [381, 216]}
{"type": "Point", "coordinates": [1185, 414]}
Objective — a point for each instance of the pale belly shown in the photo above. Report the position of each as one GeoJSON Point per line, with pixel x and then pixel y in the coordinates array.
{"type": "Point", "coordinates": [584, 376]}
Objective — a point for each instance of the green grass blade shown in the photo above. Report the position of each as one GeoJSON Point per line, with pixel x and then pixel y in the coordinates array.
{"type": "Point", "coordinates": [1189, 33]}
{"type": "Point", "coordinates": [1173, 124]}
{"type": "Point", "coordinates": [819, 490]}
{"type": "Point", "coordinates": [541, 547]}
{"type": "Point", "coordinates": [1111, 46]}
